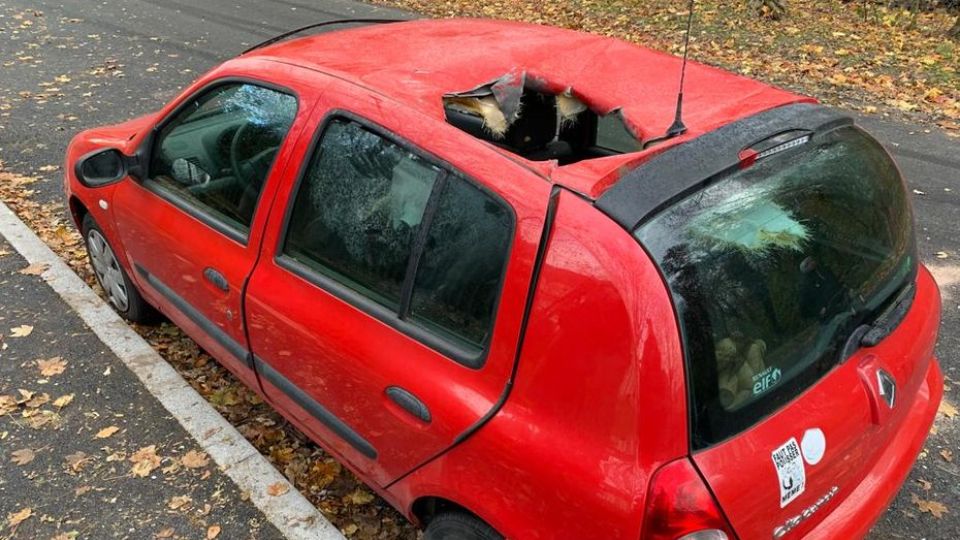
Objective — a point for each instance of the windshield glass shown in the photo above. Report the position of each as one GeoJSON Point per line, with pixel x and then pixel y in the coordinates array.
{"type": "Point", "coordinates": [773, 267]}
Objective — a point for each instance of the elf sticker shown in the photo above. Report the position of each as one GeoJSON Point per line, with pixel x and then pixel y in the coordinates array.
{"type": "Point", "coordinates": [790, 473]}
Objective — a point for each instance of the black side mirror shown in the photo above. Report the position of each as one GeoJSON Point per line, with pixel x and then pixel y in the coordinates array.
{"type": "Point", "coordinates": [102, 167]}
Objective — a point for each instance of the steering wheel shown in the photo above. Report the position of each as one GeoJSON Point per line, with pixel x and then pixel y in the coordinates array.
{"type": "Point", "coordinates": [245, 169]}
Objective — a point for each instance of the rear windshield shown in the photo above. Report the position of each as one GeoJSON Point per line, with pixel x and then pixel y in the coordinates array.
{"type": "Point", "coordinates": [774, 266]}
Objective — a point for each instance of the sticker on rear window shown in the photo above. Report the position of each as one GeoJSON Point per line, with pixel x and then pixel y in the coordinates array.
{"type": "Point", "coordinates": [790, 473]}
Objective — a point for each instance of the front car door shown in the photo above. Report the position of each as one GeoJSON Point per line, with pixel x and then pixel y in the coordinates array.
{"type": "Point", "coordinates": [191, 229]}
{"type": "Point", "coordinates": [386, 307]}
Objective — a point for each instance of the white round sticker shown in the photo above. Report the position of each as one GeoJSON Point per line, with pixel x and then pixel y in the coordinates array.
{"type": "Point", "coordinates": [813, 445]}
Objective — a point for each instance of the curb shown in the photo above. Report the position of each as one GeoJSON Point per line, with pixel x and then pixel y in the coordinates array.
{"type": "Point", "coordinates": [291, 513]}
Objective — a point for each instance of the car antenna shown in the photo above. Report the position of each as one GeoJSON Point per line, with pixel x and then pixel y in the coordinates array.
{"type": "Point", "coordinates": [318, 25]}
{"type": "Point", "coordinates": [678, 127]}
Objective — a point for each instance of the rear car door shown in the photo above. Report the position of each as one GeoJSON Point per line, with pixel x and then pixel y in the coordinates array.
{"type": "Point", "coordinates": [808, 330]}
{"type": "Point", "coordinates": [385, 310]}
{"type": "Point", "coordinates": [191, 229]}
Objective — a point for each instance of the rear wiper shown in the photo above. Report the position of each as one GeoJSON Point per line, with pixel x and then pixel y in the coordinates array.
{"type": "Point", "coordinates": [883, 325]}
{"type": "Point", "coordinates": [871, 334]}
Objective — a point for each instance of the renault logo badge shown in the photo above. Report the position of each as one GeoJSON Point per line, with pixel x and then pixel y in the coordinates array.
{"type": "Point", "coordinates": [887, 386]}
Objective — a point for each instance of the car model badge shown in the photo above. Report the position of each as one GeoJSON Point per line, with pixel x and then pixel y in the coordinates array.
{"type": "Point", "coordinates": [887, 386]}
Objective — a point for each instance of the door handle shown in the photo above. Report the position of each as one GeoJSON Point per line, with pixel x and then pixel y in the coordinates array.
{"type": "Point", "coordinates": [216, 278]}
{"type": "Point", "coordinates": [409, 403]}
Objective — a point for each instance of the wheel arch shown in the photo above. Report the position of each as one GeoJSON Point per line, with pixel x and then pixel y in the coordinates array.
{"type": "Point", "coordinates": [78, 211]}
{"type": "Point", "coordinates": [427, 507]}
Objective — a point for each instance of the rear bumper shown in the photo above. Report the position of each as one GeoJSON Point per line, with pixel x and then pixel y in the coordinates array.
{"type": "Point", "coordinates": [862, 507]}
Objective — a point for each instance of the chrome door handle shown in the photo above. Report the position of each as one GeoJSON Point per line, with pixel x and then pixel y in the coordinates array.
{"type": "Point", "coordinates": [216, 278]}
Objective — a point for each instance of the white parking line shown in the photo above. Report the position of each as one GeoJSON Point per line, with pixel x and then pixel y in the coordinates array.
{"type": "Point", "coordinates": [292, 514]}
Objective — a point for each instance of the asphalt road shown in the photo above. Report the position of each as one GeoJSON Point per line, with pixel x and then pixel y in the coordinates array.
{"type": "Point", "coordinates": [71, 64]}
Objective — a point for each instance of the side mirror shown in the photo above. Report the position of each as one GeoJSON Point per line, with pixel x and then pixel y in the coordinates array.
{"type": "Point", "coordinates": [102, 167]}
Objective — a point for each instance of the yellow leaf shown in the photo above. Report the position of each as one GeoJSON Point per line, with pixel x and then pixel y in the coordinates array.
{"type": "Point", "coordinates": [179, 502]}
{"type": "Point", "coordinates": [17, 518]}
{"type": "Point", "coordinates": [106, 432]}
{"type": "Point", "coordinates": [21, 331]}
{"type": "Point", "coordinates": [213, 531]}
{"type": "Point", "coordinates": [63, 401]}
{"type": "Point", "coordinates": [947, 409]}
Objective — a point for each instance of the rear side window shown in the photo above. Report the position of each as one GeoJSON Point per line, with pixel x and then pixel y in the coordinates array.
{"type": "Point", "coordinates": [773, 267]}
{"type": "Point", "coordinates": [425, 245]}
{"type": "Point", "coordinates": [459, 273]}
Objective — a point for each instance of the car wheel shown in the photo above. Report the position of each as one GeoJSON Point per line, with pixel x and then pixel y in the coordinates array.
{"type": "Point", "coordinates": [459, 526]}
{"type": "Point", "coordinates": [116, 284]}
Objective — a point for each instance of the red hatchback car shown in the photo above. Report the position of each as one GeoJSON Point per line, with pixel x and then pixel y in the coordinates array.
{"type": "Point", "coordinates": [460, 255]}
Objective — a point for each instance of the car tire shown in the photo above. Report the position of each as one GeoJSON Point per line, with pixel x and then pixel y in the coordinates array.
{"type": "Point", "coordinates": [121, 292]}
{"type": "Point", "coordinates": [459, 526]}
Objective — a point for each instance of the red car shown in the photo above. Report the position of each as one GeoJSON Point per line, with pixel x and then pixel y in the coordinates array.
{"type": "Point", "coordinates": [463, 256]}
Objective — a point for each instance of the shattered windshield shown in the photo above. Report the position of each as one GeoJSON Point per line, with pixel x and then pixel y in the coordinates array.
{"type": "Point", "coordinates": [773, 267]}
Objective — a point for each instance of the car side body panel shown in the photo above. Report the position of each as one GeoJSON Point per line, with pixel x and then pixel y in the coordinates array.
{"type": "Point", "coordinates": [564, 459]}
{"type": "Point", "coordinates": [344, 358]}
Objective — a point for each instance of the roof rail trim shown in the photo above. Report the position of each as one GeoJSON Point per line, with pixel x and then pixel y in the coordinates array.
{"type": "Point", "coordinates": [295, 31]}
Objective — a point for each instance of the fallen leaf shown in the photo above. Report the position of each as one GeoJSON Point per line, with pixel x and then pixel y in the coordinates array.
{"type": "Point", "coordinates": [350, 529]}
{"type": "Point", "coordinates": [924, 484]}
{"type": "Point", "coordinates": [947, 455]}
{"type": "Point", "coordinates": [213, 531]}
{"type": "Point", "coordinates": [179, 502]}
{"type": "Point", "coordinates": [942, 254]}
{"type": "Point", "coordinates": [52, 366]}
{"type": "Point", "coordinates": [77, 460]}
{"type": "Point", "coordinates": [277, 489]}
{"type": "Point", "coordinates": [947, 409]}
{"type": "Point", "coordinates": [35, 269]}
{"type": "Point", "coordinates": [165, 533]}
{"type": "Point", "coordinates": [48, 168]}
{"type": "Point", "coordinates": [17, 518]}
{"type": "Point", "coordinates": [63, 401]}
{"type": "Point", "coordinates": [195, 460]}
{"type": "Point", "coordinates": [106, 432]}
{"type": "Point", "coordinates": [359, 496]}
{"type": "Point", "coordinates": [145, 461]}
{"type": "Point", "coordinates": [22, 457]}
{"type": "Point", "coordinates": [38, 400]}
{"type": "Point", "coordinates": [81, 490]}
{"type": "Point", "coordinates": [21, 331]}
{"type": "Point", "coordinates": [934, 508]}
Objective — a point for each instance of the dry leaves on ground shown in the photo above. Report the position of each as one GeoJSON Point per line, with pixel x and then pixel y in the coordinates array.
{"type": "Point", "coordinates": [52, 366]}
{"type": "Point", "coordinates": [277, 489]}
{"type": "Point", "coordinates": [22, 457]}
{"type": "Point", "coordinates": [23, 330]}
{"type": "Point", "coordinates": [35, 269]}
{"type": "Point", "coordinates": [194, 459]}
{"type": "Point", "coordinates": [145, 461]}
{"type": "Point", "coordinates": [934, 508]}
{"type": "Point", "coordinates": [16, 518]}
{"type": "Point", "coordinates": [106, 432]}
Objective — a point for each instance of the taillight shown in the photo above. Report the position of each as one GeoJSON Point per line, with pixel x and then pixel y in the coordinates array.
{"type": "Point", "coordinates": [680, 507]}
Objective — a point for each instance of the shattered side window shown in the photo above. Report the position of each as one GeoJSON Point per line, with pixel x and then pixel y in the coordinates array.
{"type": "Point", "coordinates": [462, 264]}
{"type": "Point", "coordinates": [358, 210]}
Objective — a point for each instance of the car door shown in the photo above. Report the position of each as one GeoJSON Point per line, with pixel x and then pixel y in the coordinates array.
{"type": "Point", "coordinates": [191, 228]}
{"type": "Point", "coordinates": [386, 307]}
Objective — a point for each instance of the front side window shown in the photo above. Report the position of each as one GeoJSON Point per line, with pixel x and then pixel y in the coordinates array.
{"type": "Point", "coordinates": [216, 153]}
{"type": "Point", "coordinates": [773, 267]}
{"type": "Point", "coordinates": [386, 223]}
{"type": "Point", "coordinates": [358, 211]}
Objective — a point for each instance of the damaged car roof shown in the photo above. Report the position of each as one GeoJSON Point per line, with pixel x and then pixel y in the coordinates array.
{"type": "Point", "coordinates": [418, 62]}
